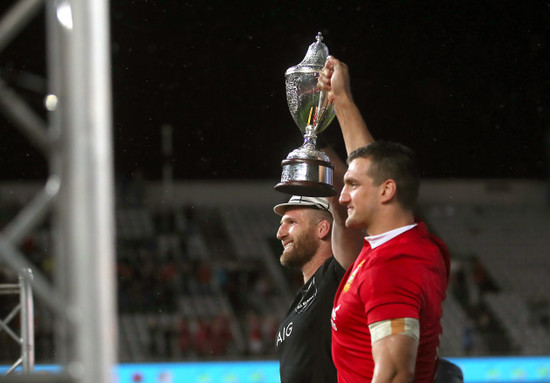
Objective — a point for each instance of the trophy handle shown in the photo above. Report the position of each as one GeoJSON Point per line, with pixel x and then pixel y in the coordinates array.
{"type": "Point", "coordinates": [322, 107]}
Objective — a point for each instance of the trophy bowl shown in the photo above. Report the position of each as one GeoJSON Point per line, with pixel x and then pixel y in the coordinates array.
{"type": "Point", "coordinates": [308, 171]}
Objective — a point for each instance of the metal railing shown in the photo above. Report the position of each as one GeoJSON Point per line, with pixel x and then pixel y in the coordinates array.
{"type": "Point", "coordinates": [25, 309]}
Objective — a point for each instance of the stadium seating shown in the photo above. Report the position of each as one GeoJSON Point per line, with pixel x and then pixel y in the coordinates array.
{"type": "Point", "coordinates": [189, 274]}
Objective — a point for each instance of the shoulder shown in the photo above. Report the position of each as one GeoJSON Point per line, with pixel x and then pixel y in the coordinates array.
{"type": "Point", "coordinates": [331, 269]}
{"type": "Point", "coordinates": [411, 253]}
{"type": "Point", "coordinates": [416, 243]}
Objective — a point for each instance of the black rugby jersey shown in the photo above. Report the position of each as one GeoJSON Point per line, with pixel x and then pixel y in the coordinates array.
{"type": "Point", "coordinates": [304, 337]}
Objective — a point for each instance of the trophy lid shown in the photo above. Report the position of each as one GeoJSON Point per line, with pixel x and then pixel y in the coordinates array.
{"type": "Point", "coordinates": [315, 58]}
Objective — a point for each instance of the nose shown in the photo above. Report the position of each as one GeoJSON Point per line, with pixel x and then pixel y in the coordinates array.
{"type": "Point", "coordinates": [344, 196]}
{"type": "Point", "coordinates": [281, 233]}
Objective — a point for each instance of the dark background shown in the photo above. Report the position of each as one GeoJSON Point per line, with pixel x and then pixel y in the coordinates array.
{"type": "Point", "coordinates": [464, 83]}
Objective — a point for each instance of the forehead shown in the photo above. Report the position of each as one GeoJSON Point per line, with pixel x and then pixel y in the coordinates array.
{"type": "Point", "coordinates": [295, 213]}
{"type": "Point", "coordinates": [358, 168]}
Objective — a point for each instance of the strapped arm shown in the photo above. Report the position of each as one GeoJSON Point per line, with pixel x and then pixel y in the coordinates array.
{"type": "Point", "coordinates": [394, 359]}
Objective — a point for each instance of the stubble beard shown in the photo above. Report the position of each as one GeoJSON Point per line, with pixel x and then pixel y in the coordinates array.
{"type": "Point", "coordinates": [302, 251]}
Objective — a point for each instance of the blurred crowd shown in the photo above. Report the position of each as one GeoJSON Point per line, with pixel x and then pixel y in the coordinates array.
{"type": "Point", "coordinates": [158, 275]}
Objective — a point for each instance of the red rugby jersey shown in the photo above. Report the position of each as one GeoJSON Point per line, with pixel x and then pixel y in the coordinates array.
{"type": "Point", "coordinates": [404, 277]}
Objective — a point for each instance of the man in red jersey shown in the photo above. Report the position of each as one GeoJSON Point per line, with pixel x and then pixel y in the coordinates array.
{"type": "Point", "coordinates": [387, 311]}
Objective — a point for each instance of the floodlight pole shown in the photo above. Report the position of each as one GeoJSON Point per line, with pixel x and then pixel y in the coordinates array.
{"type": "Point", "coordinates": [78, 144]}
{"type": "Point", "coordinates": [80, 123]}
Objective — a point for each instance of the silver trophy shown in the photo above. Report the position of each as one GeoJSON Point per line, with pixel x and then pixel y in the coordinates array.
{"type": "Point", "coordinates": [307, 171]}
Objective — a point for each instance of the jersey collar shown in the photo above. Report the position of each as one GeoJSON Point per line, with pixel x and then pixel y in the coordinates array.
{"type": "Point", "coordinates": [380, 239]}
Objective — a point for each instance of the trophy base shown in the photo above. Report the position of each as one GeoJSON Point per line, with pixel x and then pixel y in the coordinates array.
{"type": "Point", "coordinates": [309, 175]}
{"type": "Point", "coordinates": [306, 188]}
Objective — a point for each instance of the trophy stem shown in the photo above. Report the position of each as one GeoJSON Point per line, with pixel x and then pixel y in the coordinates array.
{"type": "Point", "coordinates": [310, 138]}
{"type": "Point", "coordinates": [306, 170]}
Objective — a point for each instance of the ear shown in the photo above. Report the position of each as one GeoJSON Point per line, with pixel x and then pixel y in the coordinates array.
{"type": "Point", "coordinates": [388, 190]}
{"type": "Point", "coordinates": [323, 229]}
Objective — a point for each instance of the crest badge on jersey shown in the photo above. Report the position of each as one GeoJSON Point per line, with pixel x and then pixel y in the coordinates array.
{"type": "Point", "coordinates": [352, 276]}
{"type": "Point", "coordinates": [308, 298]}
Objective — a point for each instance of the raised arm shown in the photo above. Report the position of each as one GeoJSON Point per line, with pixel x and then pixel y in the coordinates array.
{"type": "Point", "coordinates": [334, 79]}
{"type": "Point", "coordinates": [346, 242]}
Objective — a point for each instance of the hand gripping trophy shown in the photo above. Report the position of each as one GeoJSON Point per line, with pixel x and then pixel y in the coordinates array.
{"type": "Point", "coordinates": [306, 170]}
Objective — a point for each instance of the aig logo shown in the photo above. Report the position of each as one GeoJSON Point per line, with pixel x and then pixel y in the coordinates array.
{"type": "Point", "coordinates": [284, 333]}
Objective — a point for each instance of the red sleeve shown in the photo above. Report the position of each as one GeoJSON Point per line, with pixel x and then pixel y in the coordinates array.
{"type": "Point", "coordinates": [394, 288]}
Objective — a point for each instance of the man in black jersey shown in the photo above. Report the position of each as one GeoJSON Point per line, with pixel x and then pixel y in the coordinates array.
{"type": "Point", "coordinates": [304, 337]}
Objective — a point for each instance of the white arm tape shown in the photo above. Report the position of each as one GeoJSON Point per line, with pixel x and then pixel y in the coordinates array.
{"type": "Point", "coordinates": [404, 326]}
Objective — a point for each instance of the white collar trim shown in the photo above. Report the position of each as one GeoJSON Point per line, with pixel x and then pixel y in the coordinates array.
{"type": "Point", "coordinates": [380, 239]}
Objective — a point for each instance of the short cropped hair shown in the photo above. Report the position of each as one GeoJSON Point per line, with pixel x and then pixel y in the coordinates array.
{"type": "Point", "coordinates": [391, 160]}
{"type": "Point", "coordinates": [322, 215]}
